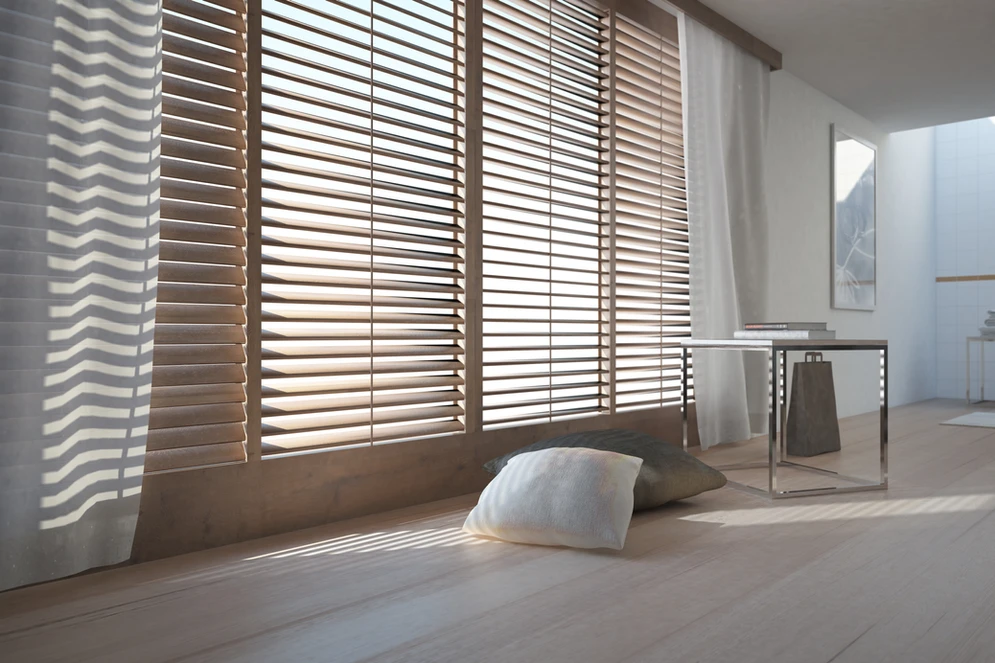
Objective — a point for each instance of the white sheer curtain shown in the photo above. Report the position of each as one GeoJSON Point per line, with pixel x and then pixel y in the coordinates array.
{"type": "Point", "coordinates": [726, 94]}
{"type": "Point", "coordinates": [79, 207]}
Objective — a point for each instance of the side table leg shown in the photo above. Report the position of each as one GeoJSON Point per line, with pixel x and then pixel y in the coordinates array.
{"type": "Point", "coordinates": [783, 401]}
{"type": "Point", "coordinates": [982, 371]}
{"type": "Point", "coordinates": [772, 422]}
{"type": "Point", "coordinates": [968, 369]}
{"type": "Point", "coordinates": [883, 386]}
{"type": "Point", "coordinates": [684, 396]}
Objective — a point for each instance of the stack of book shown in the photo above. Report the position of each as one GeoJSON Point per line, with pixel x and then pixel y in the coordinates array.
{"type": "Point", "coordinates": [989, 328]}
{"type": "Point", "coordinates": [794, 331]}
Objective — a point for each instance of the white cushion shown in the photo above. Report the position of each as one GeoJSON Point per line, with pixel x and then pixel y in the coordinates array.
{"type": "Point", "coordinates": [580, 498]}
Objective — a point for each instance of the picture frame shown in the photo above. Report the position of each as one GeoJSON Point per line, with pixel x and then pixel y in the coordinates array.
{"type": "Point", "coordinates": [853, 214]}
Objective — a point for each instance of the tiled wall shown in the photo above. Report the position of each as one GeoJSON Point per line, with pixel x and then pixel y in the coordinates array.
{"type": "Point", "coordinates": [965, 248]}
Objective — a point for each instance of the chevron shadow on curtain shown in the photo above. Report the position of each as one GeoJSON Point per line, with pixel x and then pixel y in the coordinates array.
{"type": "Point", "coordinates": [79, 184]}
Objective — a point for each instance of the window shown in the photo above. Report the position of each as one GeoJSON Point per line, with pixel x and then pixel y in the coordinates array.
{"type": "Point", "coordinates": [545, 152]}
{"type": "Point", "coordinates": [359, 137]}
{"type": "Point", "coordinates": [362, 221]}
{"type": "Point", "coordinates": [198, 376]}
{"type": "Point", "coordinates": [652, 312]}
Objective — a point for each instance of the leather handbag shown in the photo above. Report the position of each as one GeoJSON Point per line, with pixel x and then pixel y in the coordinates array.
{"type": "Point", "coordinates": [813, 427]}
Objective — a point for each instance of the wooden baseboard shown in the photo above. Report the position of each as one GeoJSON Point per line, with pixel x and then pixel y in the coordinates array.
{"type": "Point", "coordinates": [197, 509]}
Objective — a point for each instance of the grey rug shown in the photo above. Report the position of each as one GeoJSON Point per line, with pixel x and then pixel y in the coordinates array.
{"type": "Point", "coordinates": [977, 419]}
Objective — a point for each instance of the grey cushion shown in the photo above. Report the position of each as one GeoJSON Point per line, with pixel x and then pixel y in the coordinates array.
{"type": "Point", "coordinates": [668, 472]}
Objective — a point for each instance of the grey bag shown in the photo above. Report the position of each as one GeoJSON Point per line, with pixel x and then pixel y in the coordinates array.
{"type": "Point", "coordinates": [813, 427]}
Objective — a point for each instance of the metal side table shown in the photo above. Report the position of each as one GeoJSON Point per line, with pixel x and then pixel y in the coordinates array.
{"type": "Point", "coordinates": [981, 340]}
{"type": "Point", "coordinates": [777, 351]}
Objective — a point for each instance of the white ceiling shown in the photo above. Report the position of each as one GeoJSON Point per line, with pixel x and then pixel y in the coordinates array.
{"type": "Point", "coordinates": [903, 64]}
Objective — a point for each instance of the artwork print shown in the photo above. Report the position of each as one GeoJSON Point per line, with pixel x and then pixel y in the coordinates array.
{"type": "Point", "coordinates": [854, 242]}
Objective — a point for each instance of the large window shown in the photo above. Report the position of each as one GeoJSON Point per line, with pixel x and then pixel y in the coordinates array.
{"type": "Point", "coordinates": [362, 221]}
{"type": "Point", "coordinates": [545, 194]}
{"type": "Point", "coordinates": [371, 181]}
{"type": "Point", "coordinates": [652, 310]}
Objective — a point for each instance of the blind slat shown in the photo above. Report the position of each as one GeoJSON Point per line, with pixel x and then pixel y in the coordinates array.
{"type": "Point", "coordinates": [327, 403]}
{"type": "Point", "coordinates": [197, 395]}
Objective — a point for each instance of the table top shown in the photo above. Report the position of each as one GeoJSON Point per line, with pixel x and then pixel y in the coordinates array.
{"type": "Point", "coordinates": [982, 339]}
{"type": "Point", "coordinates": [785, 344]}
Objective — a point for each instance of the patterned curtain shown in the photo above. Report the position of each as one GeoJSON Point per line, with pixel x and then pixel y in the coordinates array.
{"type": "Point", "coordinates": [80, 84]}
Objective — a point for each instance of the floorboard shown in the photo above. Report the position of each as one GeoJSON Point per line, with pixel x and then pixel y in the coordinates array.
{"type": "Point", "coordinates": [899, 576]}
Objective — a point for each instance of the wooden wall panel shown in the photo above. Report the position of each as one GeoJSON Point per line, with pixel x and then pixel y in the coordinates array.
{"type": "Point", "coordinates": [186, 511]}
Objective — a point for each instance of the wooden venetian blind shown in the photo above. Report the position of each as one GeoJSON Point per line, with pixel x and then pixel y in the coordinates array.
{"type": "Point", "coordinates": [197, 410]}
{"type": "Point", "coordinates": [362, 221]}
{"type": "Point", "coordinates": [651, 228]}
{"type": "Point", "coordinates": [545, 153]}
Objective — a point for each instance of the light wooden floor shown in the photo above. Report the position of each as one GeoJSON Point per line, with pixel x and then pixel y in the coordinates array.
{"type": "Point", "coordinates": [904, 576]}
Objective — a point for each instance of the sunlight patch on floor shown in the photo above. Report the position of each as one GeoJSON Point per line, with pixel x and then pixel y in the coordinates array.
{"type": "Point", "coordinates": [440, 537]}
{"type": "Point", "coordinates": [803, 513]}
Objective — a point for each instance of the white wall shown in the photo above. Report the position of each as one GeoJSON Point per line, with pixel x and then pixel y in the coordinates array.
{"type": "Point", "coordinates": [965, 249]}
{"type": "Point", "coordinates": [797, 156]}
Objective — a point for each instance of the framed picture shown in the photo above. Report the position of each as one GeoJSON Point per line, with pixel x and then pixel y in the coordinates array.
{"type": "Point", "coordinates": [853, 176]}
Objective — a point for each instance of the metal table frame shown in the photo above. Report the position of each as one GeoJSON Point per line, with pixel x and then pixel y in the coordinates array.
{"type": "Point", "coordinates": [980, 340]}
{"type": "Point", "coordinates": [777, 356]}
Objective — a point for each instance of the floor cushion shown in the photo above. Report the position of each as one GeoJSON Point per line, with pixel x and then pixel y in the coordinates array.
{"type": "Point", "coordinates": [580, 498]}
{"type": "Point", "coordinates": [668, 472]}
